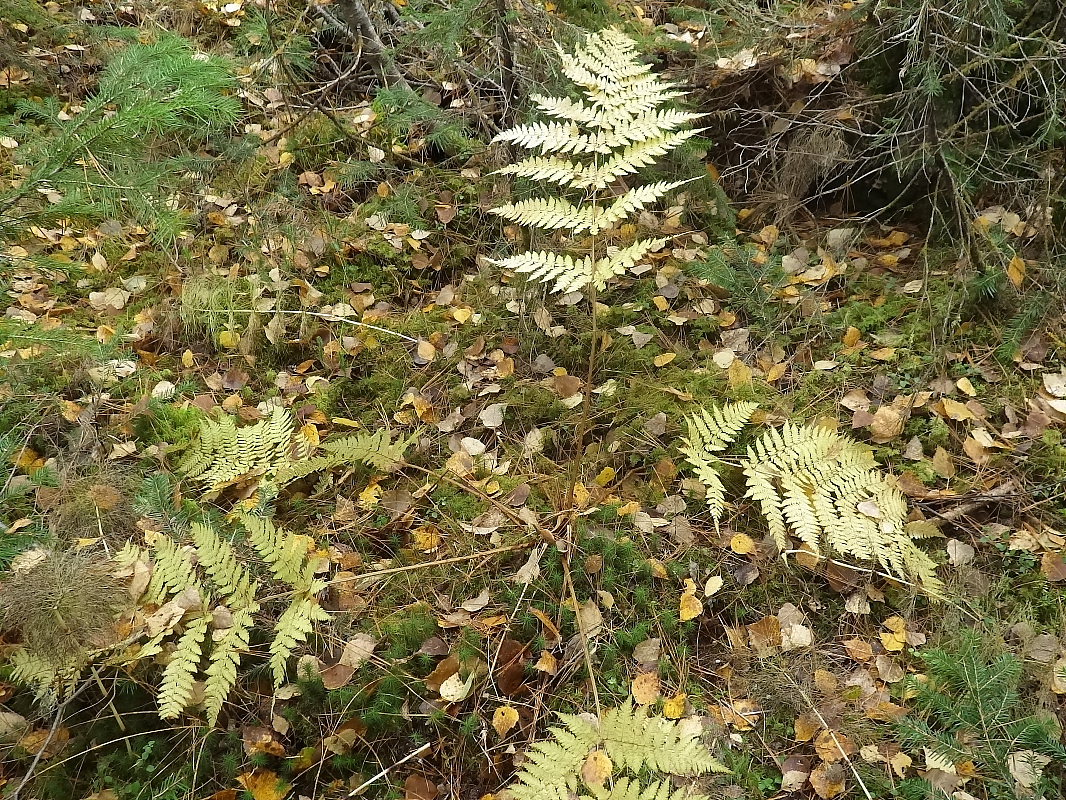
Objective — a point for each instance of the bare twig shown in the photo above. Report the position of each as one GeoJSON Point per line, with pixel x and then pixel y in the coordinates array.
{"type": "Point", "coordinates": [358, 21]}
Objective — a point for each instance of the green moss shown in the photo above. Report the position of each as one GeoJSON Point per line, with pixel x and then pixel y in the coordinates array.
{"type": "Point", "coordinates": [452, 503]}
{"type": "Point", "coordinates": [163, 422]}
{"type": "Point", "coordinates": [406, 630]}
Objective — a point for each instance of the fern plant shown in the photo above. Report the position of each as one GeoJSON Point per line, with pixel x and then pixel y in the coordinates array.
{"type": "Point", "coordinates": [590, 146]}
{"type": "Point", "coordinates": [269, 450]}
{"type": "Point", "coordinates": [216, 596]}
{"type": "Point", "coordinates": [812, 483]}
{"type": "Point", "coordinates": [971, 709]}
{"type": "Point", "coordinates": [110, 160]}
{"type": "Point", "coordinates": [624, 740]}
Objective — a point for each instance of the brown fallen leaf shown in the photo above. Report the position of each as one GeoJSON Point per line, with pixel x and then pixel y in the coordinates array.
{"type": "Point", "coordinates": [419, 787]}
{"type": "Point", "coordinates": [1053, 565]}
{"type": "Point", "coordinates": [827, 780]}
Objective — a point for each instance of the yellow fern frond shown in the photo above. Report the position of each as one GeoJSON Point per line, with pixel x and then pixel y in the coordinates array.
{"type": "Point", "coordinates": [172, 569]}
{"type": "Point", "coordinates": [711, 430]}
{"type": "Point", "coordinates": [294, 626]}
{"type": "Point", "coordinates": [285, 554]}
{"type": "Point", "coordinates": [217, 558]}
{"type": "Point", "coordinates": [634, 742]}
{"type": "Point", "coordinates": [221, 673]}
{"type": "Point", "coordinates": [175, 690]}
{"type": "Point", "coordinates": [570, 274]}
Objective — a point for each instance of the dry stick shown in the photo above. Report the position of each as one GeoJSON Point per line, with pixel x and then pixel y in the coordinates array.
{"type": "Point", "coordinates": [358, 21]}
{"type": "Point", "coordinates": [320, 315]}
{"type": "Point", "coordinates": [993, 494]}
{"type": "Point", "coordinates": [569, 579]}
{"type": "Point", "coordinates": [831, 732]}
{"type": "Point", "coordinates": [413, 754]}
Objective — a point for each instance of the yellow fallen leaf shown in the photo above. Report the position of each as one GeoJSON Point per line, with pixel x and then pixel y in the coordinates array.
{"type": "Point", "coordinates": [1016, 272]}
{"type": "Point", "coordinates": [674, 708]}
{"type": "Point", "coordinates": [664, 359]}
{"type": "Point", "coordinates": [690, 607]}
{"type": "Point", "coordinates": [262, 784]}
{"type": "Point", "coordinates": [966, 387]}
{"type": "Point", "coordinates": [956, 410]}
{"type": "Point", "coordinates": [503, 719]}
{"type": "Point", "coordinates": [229, 339]}
{"type": "Point", "coordinates": [369, 497]}
{"type": "Point", "coordinates": [742, 544]}
{"type": "Point", "coordinates": [852, 336]}
{"type": "Point", "coordinates": [739, 374]}
{"type": "Point", "coordinates": [605, 476]}
{"type": "Point", "coordinates": [427, 538]}
{"type": "Point", "coordinates": [596, 769]}
{"type": "Point", "coordinates": [713, 585]}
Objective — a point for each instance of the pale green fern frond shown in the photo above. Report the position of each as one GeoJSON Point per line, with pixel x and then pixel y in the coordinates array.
{"type": "Point", "coordinates": [221, 672]}
{"type": "Point", "coordinates": [374, 449]}
{"type": "Point", "coordinates": [49, 682]}
{"type": "Point", "coordinates": [546, 168]}
{"type": "Point", "coordinates": [618, 129]}
{"type": "Point", "coordinates": [711, 430]}
{"type": "Point", "coordinates": [292, 629]}
{"type": "Point", "coordinates": [567, 109]}
{"type": "Point", "coordinates": [216, 557]}
{"type": "Point", "coordinates": [547, 213]}
{"type": "Point", "coordinates": [175, 690]}
{"type": "Point", "coordinates": [814, 484]}
{"type": "Point", "coordinates": [172, 569]}
{"type": "Point", "coordinates": [225, 453]}
{"type": "Point", "coordinates": [570, 274]}
{"type": "Point", "coordinates": [628, 203]}
{"type": "Point", "coordinates": [285, 554]}
{"type": "Point", "coordinates": [630, 160]}
{"type": "Point", "coordinates": [551, 769]}
{"type": "Point", "coordinates": [636, 741]}
{"type": "Point", "coordinates": [626, 789]}
{"type": "Point", "coordinates": [550, 137]}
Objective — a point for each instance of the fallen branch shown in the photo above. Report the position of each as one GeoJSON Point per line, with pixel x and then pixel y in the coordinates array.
{"type": "Point", "coordinates": [356, 19]}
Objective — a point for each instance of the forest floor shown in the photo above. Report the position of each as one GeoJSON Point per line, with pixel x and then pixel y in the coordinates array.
{"type": "Point", "coordinates": [471, 586]}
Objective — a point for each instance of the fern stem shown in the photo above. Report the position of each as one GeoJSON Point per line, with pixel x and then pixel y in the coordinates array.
{"type": "Point", "coordinates": [327, 317]}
